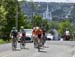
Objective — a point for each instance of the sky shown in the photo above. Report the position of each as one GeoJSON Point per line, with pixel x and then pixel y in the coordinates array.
{"type": "Point", "coordinates": [66, 1]}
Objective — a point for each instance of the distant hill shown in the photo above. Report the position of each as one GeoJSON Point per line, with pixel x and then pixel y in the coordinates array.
{"type": "Point", "coordinates": [57, 9]}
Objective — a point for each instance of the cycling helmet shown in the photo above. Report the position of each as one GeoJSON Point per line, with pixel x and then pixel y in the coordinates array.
{"type": "Point", "coordinates": [13, 27]}
{"type": "Point", "coordinates": [22, 27]}
{"type": "Point", "coordinates": [37, 28]}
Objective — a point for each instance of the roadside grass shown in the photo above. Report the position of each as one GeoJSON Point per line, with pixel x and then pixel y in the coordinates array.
{"type": "Point", "coordinates": [2, 41]}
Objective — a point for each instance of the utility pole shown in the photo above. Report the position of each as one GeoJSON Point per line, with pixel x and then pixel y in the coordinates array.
{"type": "Point", "coordinates": [32, 6]}
{"type": "Point", "coordinates": [16, 23]}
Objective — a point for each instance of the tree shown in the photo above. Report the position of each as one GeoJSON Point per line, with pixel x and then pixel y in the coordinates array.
{"type": "Point", "coordinates": [10, 7]}
{"type": "Point", "coordinates": [52, 25]}
{"type": "Point", "coordinates": [32, 9]}
{"type": "Point", "coordinates": [63, 25]}
{"type": "Point", "coordinates": [2, 16]}
{"type": "Point", "coordinates": [3, 20]}
{"type": "Point", "coordinates": [37, 20]}
{"type": "Point", "coordinates": [45, 24]}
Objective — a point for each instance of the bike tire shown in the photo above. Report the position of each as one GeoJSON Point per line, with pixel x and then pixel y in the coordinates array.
{"type": "Point", "coordinates": [38, 48]}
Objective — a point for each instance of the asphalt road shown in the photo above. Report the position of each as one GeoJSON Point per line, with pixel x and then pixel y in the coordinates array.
{"type": "Point", "coordinates": [52, 49]}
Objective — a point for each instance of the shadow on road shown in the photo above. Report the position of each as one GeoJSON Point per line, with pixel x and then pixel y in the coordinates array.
{"type": "Point", "coordinates": [46, 46]}
{"type": "Point", "coordinates": [21, 49]}
{"type": "Point", "coordinates": [16, 50]}
{"type": "Point", "coordinates": [26, 48]}
{"type": "Point", "coordinates": [43, 51]}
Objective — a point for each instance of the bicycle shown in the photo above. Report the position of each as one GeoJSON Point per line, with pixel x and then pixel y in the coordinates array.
{"type": "Point", "coordinates": [22, 43]}
{"type": "Point", "coordinates": [38, 46]}
{"type": "Point", "coordinates": [14, 43]}
{"type": "Point", "coordinates": [39, 43]}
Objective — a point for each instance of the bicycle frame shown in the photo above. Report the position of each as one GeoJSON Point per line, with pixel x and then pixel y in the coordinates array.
{"type": "Point", "coordinates": [22, 43]}
{"type": "Point", "coordinates": [14, 43]}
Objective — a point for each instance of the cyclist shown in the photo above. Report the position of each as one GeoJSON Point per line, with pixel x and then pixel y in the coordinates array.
{"type": "Point", "coordinates": [34, 36]}
{"type": "Point", "coordinates": [39, 33]}
{"type": "Point", "coordinates": [13, 35]}
{"type": "Point", "coordinates": [22, 39]}
{"type": "Point", "coordinates": [44, 37]}
{"type": "Point", "coordinates": [67, 34]}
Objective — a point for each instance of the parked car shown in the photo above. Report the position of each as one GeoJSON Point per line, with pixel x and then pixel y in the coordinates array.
{"type": "Point", "coordinates": [29, 34]}
{"type": "Point", "coordinates": [49, 36]}
{"type": "Point", "coordinates": [28, 37]}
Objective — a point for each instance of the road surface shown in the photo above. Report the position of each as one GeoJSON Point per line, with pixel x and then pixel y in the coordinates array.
{"type": "Point", "coordinates": [52, 49]}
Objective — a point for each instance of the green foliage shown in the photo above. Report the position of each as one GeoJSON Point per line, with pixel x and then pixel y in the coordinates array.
{"type": "Point", "coordinates": [2, 41]}
{"type": "Point", "coordinates": [8, 13]}
{"type": "Point", "coordinates": [10, 7]}
{"type": "Point", "coordinates": [45, 25]}
{"type": "Point", "coordinates": [53, 24]}
{"type": "Point", "coordinates": [37, 20]}
{"type": "Point", "coordinates": [2, 15]}
{"type": "Point", "coordinates": [65, 24]}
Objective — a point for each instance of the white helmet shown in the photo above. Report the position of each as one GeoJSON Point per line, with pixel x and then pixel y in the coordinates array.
{"type": "Point", "coordinates": [22, 27]}
{"type": "Point", "coordinates": [13, 27]}
{"type": "Point", "coordinates": [37, 28]}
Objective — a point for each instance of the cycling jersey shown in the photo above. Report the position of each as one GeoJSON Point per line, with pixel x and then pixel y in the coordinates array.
{"type": "Point", "coordinates": [23, 33]}
{"type": "Point", "coordinates": [39, 33]}
{"type": "Point", "coordinates": [14, 33]}
{"type": "Point", "coordinates": [67, 33]}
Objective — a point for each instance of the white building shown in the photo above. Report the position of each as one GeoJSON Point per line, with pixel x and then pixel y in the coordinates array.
{"type": "Point", "coordinates": [47, 14]}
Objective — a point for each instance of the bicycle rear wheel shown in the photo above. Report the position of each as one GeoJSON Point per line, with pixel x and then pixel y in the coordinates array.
{"type": "Point", "coordinates": [14, 44]}
{"type": "Point", "coordinates": [22, 43]}
{"type": "Point", "coordinates": [38, 45]}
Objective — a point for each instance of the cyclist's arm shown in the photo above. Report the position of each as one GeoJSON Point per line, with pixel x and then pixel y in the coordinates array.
{"type": "Point", "coordinates": [11, 34]}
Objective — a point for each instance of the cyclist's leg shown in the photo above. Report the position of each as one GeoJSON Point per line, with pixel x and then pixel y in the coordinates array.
{"type": "Point", "coordinates": [38, 44]}
{"type": "Point", "coordinates": [33, 40]}
{"type": "Point", "coordinates": [43, 40]}
{"type": "Point", "coordinates": [14, 43]}
{"type": "Point", "coordinates": [21, 42]}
